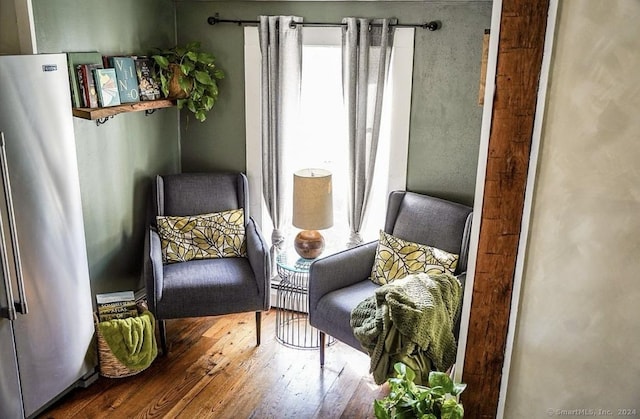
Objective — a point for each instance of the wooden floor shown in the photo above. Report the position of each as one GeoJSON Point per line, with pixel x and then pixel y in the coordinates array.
{"type": "Point", "coordinates": [214, 370]}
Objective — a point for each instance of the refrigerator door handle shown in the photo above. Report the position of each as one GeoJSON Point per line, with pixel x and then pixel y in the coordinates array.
{"type": "Point", "coordinates": [10, 311]}
{"type": "Point", "coordinates": [6, 184]}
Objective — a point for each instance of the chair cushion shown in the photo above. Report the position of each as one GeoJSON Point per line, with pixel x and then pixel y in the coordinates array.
{"type": "Point", "coordinates": [208, 287]}
{"type": "Point", "coordinates": [442, 224]}
{"type": "Point", "coordinates": [333, 313]}
{"type": "Point", "coordinates": [396, 258]}
{"type": "Point", "coordinates": [204, 236]}
{"type": "Point", "coordinates": [199, 193]}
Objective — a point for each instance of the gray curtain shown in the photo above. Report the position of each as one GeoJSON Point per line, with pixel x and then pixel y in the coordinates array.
{"type": "Point", "coordinates": [366, 52]}
{"type": "Point", "coordinates": [281, 48]}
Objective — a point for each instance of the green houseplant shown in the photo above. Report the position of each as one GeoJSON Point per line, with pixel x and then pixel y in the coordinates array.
{"type": "Point", "coordinates": [407, 400]}
{"type": "Point", "coordinates": [190, 76]}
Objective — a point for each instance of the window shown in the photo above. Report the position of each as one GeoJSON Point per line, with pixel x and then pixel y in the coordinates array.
{"type": "Point", "coordinates": [322, 128]}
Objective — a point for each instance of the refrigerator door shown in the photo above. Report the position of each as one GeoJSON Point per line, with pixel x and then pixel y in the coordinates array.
{"type": "Point", "coordinates": [10, 402]}
{"type": "Point", "coordinates": [10, 394]}
{"type": "Point", "coordinates": [53, 340]}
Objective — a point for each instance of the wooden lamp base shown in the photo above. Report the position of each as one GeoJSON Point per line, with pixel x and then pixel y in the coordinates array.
{"type": "Point", "coordinates": [309, 244]}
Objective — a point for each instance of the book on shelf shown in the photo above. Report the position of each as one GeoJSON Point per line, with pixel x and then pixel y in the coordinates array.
{"type": "Point", "coordinates": [116, 305]}
{"type": "Point", "coordinates": [106, 86]}
{"type": "Point", "coordinates": [73, 60]}
{"type": "Point", "coordinates": [127, 78]}
{"type": "Point", "coordinates": [106, 61]}
{"type": "Point", "coordinates": [87, 84]}
{"type": "Point", "coordinates": [115, 297]}
{"type": "Point", "coordinates": [147, 79]}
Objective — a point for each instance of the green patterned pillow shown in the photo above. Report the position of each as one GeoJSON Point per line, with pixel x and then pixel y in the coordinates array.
{"type": "Point", "coordinates": [205, 236]}
{"type": "Point", "coordinates": [396, 258]}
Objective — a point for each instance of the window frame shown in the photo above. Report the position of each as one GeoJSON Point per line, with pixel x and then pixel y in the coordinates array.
{"type": "Point", "coordinates": [401, 77]}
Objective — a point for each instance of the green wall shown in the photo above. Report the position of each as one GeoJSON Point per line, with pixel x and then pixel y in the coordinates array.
{"type": "Point", "coordinates": [445, 116]}
{"type": "Point", "coordinates": [9, 41]}
{"type": "Point", "coordinates": [116, 160]}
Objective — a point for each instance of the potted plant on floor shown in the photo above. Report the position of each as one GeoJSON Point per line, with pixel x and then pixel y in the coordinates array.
{"type": "Point", "coordinates": [407, 400]}
{"type": "Point", "coordinates": [190, 76]}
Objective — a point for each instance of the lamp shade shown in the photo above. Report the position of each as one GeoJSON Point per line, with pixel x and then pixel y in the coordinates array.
{"type": "Point", "coordinates": [312, 199]}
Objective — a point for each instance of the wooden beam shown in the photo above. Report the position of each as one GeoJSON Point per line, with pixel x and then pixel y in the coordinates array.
{"type": "Point", "coordinates": [520, 47]}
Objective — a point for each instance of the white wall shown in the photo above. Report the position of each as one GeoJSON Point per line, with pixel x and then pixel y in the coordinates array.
{"type": "Point", "coordinates": [577, 342]}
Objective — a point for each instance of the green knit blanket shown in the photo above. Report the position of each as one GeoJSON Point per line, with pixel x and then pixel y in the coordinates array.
{"type": "Point", "coordinates": [131, 340]}
{"type": "Point", "coordinates": [410, 320]}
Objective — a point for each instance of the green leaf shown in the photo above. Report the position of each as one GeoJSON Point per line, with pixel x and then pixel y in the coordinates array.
{"type": "Point", "coordinates": [203, 77]}
{"type": "Point", "coordinates": [440, 379]}
{"type": "Point", "coordinates": [184, 83]}
{"type": "Point", "coordinates": [181, 102]}
{"type": "Point", "coordinates": [404, 413]}
{"type": "Point", "coordinates": [205, 58]}
{"type": "Point", "coordinates": [438, 391]}
{"type": "Point", "coordinates": [218, 74]}
{"type": "Point", "coordinates": [161, 61]}
{"type": "Point", "coordinates": [193, 46]}
{"type": "Point", "coordinates": [458, 388]}
{"type": "Point", "coordinates": [451, 410]}
{"type": "Point", "coordinates": [201, 116]}
{"type": "Point", "coordinates": [380, 411]}
{"type": "Point", "coordinates": [213, 89]}
{"type": "Point", "coordinates": [187, 67]}
{"type": "Point", "coordinates": [193, 56]}
{"type": "Point", "coordinates": [164, 84]}
{"type": "Point", "coordinates": [208, 103]}
{"type": "Point", "coordinates": [411, 375]}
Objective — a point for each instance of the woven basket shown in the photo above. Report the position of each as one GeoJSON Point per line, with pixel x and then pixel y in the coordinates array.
{"type": "Point", "coordinates": [110, 366]}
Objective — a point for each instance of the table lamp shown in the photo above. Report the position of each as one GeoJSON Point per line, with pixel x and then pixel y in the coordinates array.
{"type": "Point", "coordinates": [312, 210]}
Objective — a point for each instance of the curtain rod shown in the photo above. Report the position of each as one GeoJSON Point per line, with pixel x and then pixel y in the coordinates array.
{"type": "Point", "coordinates": [432, 26]}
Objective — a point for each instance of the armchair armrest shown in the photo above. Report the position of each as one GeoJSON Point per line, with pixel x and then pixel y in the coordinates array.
{"type": "Point", "coordinates": [154, 273]}
{"type": "Point", "coordinates": [258, 255]}
{"type": "Point", "coordinates": [456, 325]}
{"type": "Point", "coordinates": [340, 270]}
{"type": "Point", "coordinates": [462, 277]}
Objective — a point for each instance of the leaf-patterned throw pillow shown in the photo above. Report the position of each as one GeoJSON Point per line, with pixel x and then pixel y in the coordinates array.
{"type": "Point", "coordinates": [205, 236]}
{"type": "Point", "coordinates": [396, 258]}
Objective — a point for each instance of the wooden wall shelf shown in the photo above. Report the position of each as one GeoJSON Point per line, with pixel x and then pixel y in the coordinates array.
{"type": "Point", "coordinates": [104, 113]}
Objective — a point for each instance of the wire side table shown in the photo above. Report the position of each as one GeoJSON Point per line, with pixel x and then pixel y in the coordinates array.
{"type": "Point", "coordinates": [292, 294]}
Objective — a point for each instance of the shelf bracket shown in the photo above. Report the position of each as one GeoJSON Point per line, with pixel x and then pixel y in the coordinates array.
{"type": "Point", "coordinates": [101, 121]}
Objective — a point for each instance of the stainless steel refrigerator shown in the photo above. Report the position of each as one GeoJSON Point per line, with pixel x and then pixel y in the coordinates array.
{"type": "Point", "coordinates": [46, 323]}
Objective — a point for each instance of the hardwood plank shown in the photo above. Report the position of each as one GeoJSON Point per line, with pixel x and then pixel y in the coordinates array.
{"type": "Point", "coordinates": [145, 392]}
{"type": "Point", "coordinates": [231, 352]}
{"type": "Point", "coordinates": [214, 370]}
{"type": "Point", "coordinates": [359, 407]}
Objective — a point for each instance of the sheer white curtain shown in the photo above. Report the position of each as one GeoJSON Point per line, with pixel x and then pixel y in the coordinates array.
{"type": "Point", "coordinates": [366, 52]}
{"type": "Point", "coordinates": [391, 164]}
{"type": "Point", "coordinates": [281, 66]}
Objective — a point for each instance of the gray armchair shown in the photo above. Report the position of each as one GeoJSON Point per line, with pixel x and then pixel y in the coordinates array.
{"type": "Point", "coordinates": [204, 287]}
{"type": "Point", "coordinates": [339, 282]}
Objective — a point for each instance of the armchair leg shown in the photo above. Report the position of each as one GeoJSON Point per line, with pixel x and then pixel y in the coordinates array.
{"type": "Point", "coordinates": [323, 341]}
{"type": "Point", "coordinates": [258, 326]}
{"type": "Point", "coordinates": [163, 336]}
